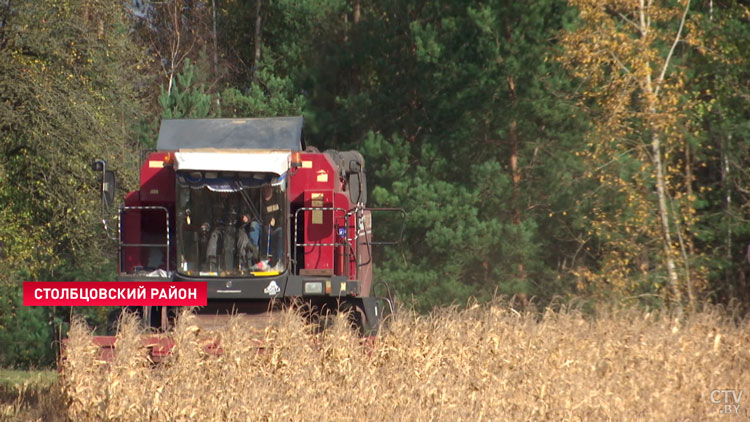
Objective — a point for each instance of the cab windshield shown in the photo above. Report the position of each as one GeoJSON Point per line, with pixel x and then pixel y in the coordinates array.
{"type": "Point", "coordinates": [230, 224]}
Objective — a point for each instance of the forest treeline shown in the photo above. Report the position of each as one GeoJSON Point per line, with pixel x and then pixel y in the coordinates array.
{"type": "Point", "coordinates": [547, 150]}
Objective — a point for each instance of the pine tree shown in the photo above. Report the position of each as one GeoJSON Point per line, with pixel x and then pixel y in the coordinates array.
{"type": "Point", "coordinates": [186, 99]}
{"type": "Point", "coordinates": [454, 106]}
{"type": "Point", "coordinates": [718, 143]}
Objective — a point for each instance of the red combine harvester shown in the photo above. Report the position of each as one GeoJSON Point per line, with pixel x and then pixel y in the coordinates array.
{"type": "Point", "coordinates": [265, 221]}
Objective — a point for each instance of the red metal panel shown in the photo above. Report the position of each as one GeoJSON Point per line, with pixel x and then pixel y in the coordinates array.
{"type": "Point", "coordinates": [130, 225]}
{"type": "Point", "coordinates": [319, 230]}
{"type": "Point", "coordinates": [317, 173]}
{"type": "Point", "coordinates": [157, 179]}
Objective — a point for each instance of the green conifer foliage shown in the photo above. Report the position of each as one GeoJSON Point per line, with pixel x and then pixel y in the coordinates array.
{"type": "Point", "coordinates": [185, 99]}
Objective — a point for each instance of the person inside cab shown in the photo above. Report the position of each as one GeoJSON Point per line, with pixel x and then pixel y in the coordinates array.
{"type": "Point", "coordinates": [263, 246]}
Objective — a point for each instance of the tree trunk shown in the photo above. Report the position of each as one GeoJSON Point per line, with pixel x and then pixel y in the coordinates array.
{"type": "Point", "coordinates": [100, 29]}
{"type": "Point", "coordinates": [357, 11]}
{"type": "Point", "coordinates": [175, 46]}
{"type": "Point", "coordinates": [725, 185]}
{"type": "Point", "coordinates": [216, 54]}
{"type": "Point", "coordinates": [652, 91]}
{"type": "Point", "coordinates": [355, 72]}
{"type": "Point", "coordinates": [515, 171]}
{"type": "Point", "coordinates": [661, 192]}
{"type": "Point", "coordinates": [257, 40]}
{"type": "Point", "coordinates": [691, 249]}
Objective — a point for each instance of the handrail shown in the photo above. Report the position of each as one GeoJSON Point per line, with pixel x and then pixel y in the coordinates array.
{"type": "Point", "coordinates": [403, 225]}
{"type": "Point", "coordinates": [333, 224]}
{"type": "Point", "coordinates": [358, 213]}
{"type": "Point", "coordinates": [122, 245]}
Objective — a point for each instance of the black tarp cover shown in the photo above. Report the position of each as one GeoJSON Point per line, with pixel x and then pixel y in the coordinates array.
{"type": "Point", "coordinates": [241, 133]}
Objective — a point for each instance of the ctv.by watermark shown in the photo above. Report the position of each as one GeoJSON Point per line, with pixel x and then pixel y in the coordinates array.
{"type": "Point", "coordinates": [728, 401]}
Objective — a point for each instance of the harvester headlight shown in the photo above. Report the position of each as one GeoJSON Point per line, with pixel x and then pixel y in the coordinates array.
{"type": "Point", "coordinates": [313, 288]}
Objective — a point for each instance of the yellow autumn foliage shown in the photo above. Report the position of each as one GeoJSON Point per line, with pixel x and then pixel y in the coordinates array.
{"type": "Point", "coordinates": [623, 53]}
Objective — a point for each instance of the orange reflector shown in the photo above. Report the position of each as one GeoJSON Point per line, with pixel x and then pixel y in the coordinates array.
{"type": "Point", "coordinates": [168, 158]}
{"type": "Point", "coordinates": [296, 159]}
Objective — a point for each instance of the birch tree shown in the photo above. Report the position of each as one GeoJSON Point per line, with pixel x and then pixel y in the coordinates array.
{"type": "Point", "coordinates": [174, 30]}
{"type": "Point", "coordinates": [629, 57]}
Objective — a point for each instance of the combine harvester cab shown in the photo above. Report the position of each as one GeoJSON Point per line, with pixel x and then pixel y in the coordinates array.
{"type": "Point", "coordinates": [244, 206]}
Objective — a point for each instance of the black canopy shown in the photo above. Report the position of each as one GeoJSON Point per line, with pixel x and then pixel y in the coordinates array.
{"type": "Point", "coordinates": [255, 133]}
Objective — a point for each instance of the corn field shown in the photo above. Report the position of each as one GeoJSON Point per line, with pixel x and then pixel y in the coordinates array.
{"type": "Point", "coordinates": [484, 363]}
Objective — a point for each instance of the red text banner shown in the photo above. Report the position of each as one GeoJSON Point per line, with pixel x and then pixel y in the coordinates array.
{"type": "Point", "coordinates": [111, 293]}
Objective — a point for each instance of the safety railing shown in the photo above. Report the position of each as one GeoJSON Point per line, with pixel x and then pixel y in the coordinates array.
{"type": "Point", "coordinates": [333, 227]}
{"type": "Point", "coordinates": [364, 230]}
{"type": "Point", "coordinates": [122, 245]}
{"type": "Point", "coordinates": [361, 230]}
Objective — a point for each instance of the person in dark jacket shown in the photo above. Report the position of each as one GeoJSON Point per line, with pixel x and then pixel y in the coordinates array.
{"type": "Point", "coordinates": [247, 248]}
{"type": "Point", "coordinates": [270, 230]}
{"type": "Point", "coordinates": [272, 223]}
